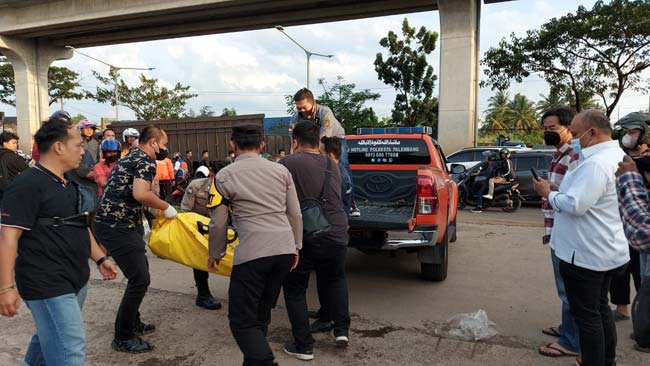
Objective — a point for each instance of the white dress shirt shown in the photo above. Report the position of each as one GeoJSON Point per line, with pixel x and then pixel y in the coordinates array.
{"type": "Point", "coordinates": [588, 231]}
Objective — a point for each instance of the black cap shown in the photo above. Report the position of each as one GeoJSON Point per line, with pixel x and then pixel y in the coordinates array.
{"type": "Point", "coordinates": [246, 129]}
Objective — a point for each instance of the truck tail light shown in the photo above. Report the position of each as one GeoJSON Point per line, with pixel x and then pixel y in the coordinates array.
{"type": "Point", "coordinates": [427, 196]}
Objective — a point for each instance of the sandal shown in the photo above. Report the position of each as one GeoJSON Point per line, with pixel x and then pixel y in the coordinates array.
{"type": "Point", "coordinates": [554, 350]}
{"type": "Point", "coordinates": [552, 331]}
{"type": "Point", "coordinates": [618, 316]}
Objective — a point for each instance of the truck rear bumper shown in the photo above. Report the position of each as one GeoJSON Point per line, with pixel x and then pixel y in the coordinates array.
{"type": "Point", "coordinates": [393, 240]}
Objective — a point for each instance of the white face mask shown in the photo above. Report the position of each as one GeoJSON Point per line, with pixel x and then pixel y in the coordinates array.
{"type": "Point", "coordinates": [629, 141]}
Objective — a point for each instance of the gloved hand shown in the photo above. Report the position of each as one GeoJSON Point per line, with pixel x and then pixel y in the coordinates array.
{"type": "Point", "coordinates": [170, 212]}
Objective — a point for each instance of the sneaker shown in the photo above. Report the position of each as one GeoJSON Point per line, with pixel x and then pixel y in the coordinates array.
{"type": "Point", "coordinates": [313, 314]}
{"type": "Point", "coordinates": [133, 345]}
{"type": "Point", "coordinates": [208, 302]}
{"type": "Point", "coordinates": [342, 341]}
{"type": "Point", "coordinates": [306, 354]}
{"type": "Point", "coordinates": [488, 196]}
{"type": "Point", "coordinates": [142, 329]}
{"type": "Point", "coordinates": [355, 212]}
{"type": "Point", "coordinates": [477, 209]}
{"type": "Point", "coordinates": [321, 327]}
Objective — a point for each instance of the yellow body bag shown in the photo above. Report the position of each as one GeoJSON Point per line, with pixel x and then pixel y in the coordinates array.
{"type": "Point", "coordinates": [183, 241]}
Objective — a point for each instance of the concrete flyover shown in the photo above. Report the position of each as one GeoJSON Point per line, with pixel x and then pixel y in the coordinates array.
{"type": "Point", "coordinates": [34, 33]}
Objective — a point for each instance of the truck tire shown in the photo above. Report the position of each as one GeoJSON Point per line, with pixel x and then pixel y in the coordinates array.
{"type": "Point", "coordinates": [453, 237]}
{"type": "Point", "coordinates": [462, 198]}
{"type": "Point", "coordinates": [437, 271]}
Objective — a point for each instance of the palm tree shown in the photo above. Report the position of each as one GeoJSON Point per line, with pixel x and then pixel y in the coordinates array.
{"type": "Point", "coordinates": [521, 113]}
{"type": "Point", "coordinates": [495, 115]}
{"type": "Point", "coordinates": [553, 100]}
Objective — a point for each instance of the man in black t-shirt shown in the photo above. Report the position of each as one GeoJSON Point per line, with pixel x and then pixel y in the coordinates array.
{"type": "Point", "coordinates": [324, 255]}
{"type": "Point", "coordinates": [118, 225]}
{"type": "Point", "coordinates": [46, 241]}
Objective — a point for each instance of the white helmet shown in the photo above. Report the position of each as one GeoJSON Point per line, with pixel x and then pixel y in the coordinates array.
{"type": "Point", "coordinates": [130, 132]}
{"type": "Point", "coordinates": [203, 170]}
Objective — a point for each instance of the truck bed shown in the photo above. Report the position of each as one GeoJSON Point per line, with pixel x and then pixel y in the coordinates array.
{"type": "Point", "coordinates": [381, 217]}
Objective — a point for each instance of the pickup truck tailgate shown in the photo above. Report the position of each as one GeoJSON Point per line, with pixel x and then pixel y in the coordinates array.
{"type": "Point", "coordinates": [381, 217]}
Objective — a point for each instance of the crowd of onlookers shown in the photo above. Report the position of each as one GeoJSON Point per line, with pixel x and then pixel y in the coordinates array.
{"type": "Point", "coordinates": [596, 220]}
{"type": "Point", "coordinates": [88, 197]}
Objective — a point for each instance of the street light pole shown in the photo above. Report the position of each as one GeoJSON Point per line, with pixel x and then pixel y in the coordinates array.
{"type": "Point", "coordinates": [115, 75]}
{"type": "Point", "coordinates": [307, 53]}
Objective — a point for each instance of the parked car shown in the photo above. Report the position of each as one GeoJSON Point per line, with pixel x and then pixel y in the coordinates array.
{"type": "Point", "coordinates": [470, 156]}
{"type": "Point", "coordinates": [407, 198]}
{"type": "Point", "coordinates": [523, 160]}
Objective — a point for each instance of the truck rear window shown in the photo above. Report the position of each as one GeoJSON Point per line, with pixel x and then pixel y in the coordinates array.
{"type": "Point", "coordinates": [388, 151]}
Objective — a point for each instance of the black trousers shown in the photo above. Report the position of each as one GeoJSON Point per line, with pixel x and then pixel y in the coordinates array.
{"type": "Point", "coordinates": [619, 291]}
{"type": "Point", "coordinates": [587, 294]}
{"type": "Point", "coordinates": [253, 292]}
{"type": "Point", "coordinates": [127, 248]}
{"type": "Point", "coordinates": [201, 281]}
{"type": "Point", "coordinates": [328, 260]}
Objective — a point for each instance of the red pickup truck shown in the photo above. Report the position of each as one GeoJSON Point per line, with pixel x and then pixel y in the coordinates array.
{"type": "Point", "coordinates": [407, 198]}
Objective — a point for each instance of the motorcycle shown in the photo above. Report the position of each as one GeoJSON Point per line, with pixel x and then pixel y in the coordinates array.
{"type": "Point", "coordinates": [506, 195]}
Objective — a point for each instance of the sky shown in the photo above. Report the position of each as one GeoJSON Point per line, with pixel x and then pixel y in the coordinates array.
{"type": "Point", "coordinates": [253, 71]}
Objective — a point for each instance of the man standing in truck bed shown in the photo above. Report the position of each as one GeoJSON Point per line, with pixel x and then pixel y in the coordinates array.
{"type": "Point", "coordinates": [308, 110]}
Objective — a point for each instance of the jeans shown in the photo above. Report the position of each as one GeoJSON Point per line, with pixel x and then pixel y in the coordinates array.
{"type": "Point", "coordinates": [253, 292]}
{"type": "Point", "coordinates": [346, 164]}
{"type": "Point", "coordinates": [481, 191]}
{"type": "Point", "coordinates": [60, 333]}
{"type": "Point", "coordinates": [128, 250]}
{"type": "Point", "coordinates": [328, 260]}
{"type": "Point", "coordinates": [569, 338]}
{"type": "Point", "coordinates": [587, 292]}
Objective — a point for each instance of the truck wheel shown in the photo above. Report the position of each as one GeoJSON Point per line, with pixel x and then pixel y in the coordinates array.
{"type": "Point", "coordinates": [437, 271]}
{"type": "Point", "coordinates": [462, 199]}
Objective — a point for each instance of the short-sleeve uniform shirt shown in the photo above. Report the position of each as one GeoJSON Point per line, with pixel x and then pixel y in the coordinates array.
{"type": "Point", "coordinates": [117, 207]}
{"type": "Point", "coordinates": [324, 118]}
{"type": "Point", "coordinates": [52, 260]}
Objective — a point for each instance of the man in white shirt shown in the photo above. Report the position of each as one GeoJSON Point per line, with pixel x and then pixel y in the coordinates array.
{"type": "Point", "coordinates": [588, 235]}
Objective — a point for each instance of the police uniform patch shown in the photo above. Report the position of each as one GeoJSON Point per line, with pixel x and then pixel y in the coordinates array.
{"type": "Point", "coordinates": [327, 123]}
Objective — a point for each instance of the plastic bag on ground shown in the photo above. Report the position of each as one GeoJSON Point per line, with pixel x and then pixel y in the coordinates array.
{"type": "Point", "coordinates": [469, 326]}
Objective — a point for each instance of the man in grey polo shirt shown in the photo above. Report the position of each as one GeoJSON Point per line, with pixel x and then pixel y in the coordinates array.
{"type": "Point", "coordinates": [308, 110]}
{"type": "Point", "coordinates": [588, 235]}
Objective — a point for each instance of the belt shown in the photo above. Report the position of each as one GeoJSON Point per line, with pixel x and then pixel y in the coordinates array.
{"type": "Point", "coordinates": [79, 220]}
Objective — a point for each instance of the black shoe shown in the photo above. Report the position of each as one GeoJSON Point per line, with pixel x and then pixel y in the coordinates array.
{"type": "Point", "coordinates": [142, 329]}
{"type": "Point", "coordinates": [133, 345]}
{"type": "Point", "coordinates": [313, 314]}
{"type": "Point", "coordinates": [342, 340]}
{"type": "Point", "coordinates": [320, 327]}
{"type": "Point", "coordinates": [477, 209]}
{"type": "Point", "coordinates": [208, 302]}
{"type": "Point", "coordinates": [306, 354]}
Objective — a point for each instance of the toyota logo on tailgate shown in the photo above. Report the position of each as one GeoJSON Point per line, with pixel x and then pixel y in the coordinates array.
{"type": "Point", "coordinates": [379, 184]}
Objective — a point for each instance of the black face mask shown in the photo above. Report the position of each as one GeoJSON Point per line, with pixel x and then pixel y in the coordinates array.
{"type": "Point", "coordinates": [162, 154]}
{"type": "Point", "coordinates": [112, 159]}
{"type": "Point", "coordinates": [551, 138]}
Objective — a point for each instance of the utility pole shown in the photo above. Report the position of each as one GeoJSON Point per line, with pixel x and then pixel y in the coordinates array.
{"type": "Point", "coordinates": [116, 71]}
{"type": "Point", "coordinates": [307, 53]}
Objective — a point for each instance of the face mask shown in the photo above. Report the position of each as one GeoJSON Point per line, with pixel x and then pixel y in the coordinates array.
{"type": "Point", "coordinates": [551, 138]}
{"type": "Point", "coordinates": [162, 153]}
{"type": "Point", "coordinates": [575, 144]}
{"type": "Point", "coordinates": [112, 159]}
{"type": "Point", "coordinates": [629, 141]}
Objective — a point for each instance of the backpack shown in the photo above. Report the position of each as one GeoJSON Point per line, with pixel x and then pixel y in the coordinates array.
{"type": "Point", "coordinates": [315, 223]}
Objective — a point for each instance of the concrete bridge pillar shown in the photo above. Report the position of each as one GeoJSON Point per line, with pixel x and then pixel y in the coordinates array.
{"type": "Point", "coordinates": [459, 54]}
{"type": "Point", "coordinates": [31, 61]}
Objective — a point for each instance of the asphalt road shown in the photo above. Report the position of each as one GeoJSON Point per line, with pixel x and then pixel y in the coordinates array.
{"type": "Point", "coordinates": [498, 264]}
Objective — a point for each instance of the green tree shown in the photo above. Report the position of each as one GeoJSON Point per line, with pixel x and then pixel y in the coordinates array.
{"type": "Point", "coordinates": [228, 112]}
{"type": "Point", "coordinates": [521, 114]}
{"type": "Point", "coordinates": [348, 105]}
{"type": "Point", "coordinates": [63, 84]}
{"type": "Point", "coordinates": [78, 118]}
{"type": "Point", "coordinates": [495, 118]}
{"type": "Point", "coordinates": [406, 68]}
{"type": "Point", "coordinates": [148, 101]}
{"type": "Point", "coordinates": [206, 111]}
{"type": "Point", "coordinates": [598, 52]}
